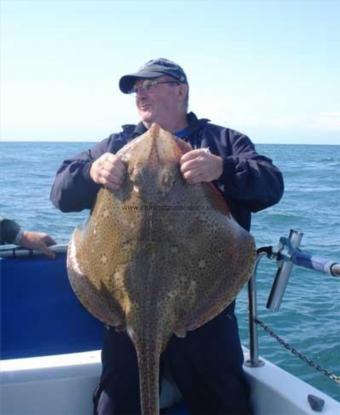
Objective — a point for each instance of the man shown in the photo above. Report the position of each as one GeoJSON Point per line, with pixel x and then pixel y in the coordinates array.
{"type": "Point", "coordinates": [207, 364]}
{"type": "Point", "coordinates": [11, 233]}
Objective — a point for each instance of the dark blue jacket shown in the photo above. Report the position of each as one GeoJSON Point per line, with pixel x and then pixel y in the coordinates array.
{"type": "Point", "coordinates": [9, 230]}
{"type": "Point", "coordinates": [249, 182]}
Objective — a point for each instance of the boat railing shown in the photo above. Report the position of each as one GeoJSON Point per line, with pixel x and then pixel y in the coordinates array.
{"type": "Point", "coordinates": [287, 254]}
{"type": "Point", "coordinates": [14, 251]}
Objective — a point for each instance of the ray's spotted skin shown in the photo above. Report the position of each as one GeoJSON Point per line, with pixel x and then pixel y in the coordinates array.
{"type": "Point", "coordinates": [158, 256]}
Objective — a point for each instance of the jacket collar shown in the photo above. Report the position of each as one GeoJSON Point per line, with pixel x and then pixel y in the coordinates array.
{"type": "Point", "coordinates": [194, 124]}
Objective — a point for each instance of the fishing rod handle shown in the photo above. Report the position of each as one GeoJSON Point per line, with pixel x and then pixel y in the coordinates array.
{"type": "Point", "coordinates": [307, 260]}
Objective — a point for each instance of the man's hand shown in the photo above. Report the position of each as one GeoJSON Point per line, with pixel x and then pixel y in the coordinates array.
{"type": "Point", "coordinates": [108, 170]}
{"type": "Point", "coordinates": [37, 240]}
{"type": "Point", "coordinates": [199, 166]}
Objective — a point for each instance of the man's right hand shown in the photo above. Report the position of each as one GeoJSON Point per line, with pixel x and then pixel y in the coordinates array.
{"type": "Point", "coordinates": [108, 170]}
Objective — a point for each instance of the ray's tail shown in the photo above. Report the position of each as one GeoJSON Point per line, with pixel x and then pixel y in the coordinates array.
{"type": "Point", "coordinates": [148, 354]}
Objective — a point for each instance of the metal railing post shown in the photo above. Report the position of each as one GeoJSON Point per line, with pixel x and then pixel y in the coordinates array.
{"type": "Point", "coordinates": [253, 360]}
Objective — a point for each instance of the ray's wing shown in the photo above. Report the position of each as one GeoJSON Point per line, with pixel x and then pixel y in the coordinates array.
{"type": "Point", "coordinates": [213, 264]}
{"type": "Point", "coordinates": [96, 260]}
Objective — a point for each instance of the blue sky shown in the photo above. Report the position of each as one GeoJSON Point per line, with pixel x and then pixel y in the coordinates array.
{"type": "Point", "coordinates": [270, 69]}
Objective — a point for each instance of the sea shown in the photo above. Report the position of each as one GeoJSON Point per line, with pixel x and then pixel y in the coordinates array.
{"type": "Point", "coordinates": [309, 317]}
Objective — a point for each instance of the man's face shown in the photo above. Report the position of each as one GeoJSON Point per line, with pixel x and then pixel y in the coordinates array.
{"type": "Point", "coordinates": [160, 103]}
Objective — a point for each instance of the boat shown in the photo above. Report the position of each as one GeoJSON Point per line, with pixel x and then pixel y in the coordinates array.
{"type": "Point", "coordinates": [50, 345]}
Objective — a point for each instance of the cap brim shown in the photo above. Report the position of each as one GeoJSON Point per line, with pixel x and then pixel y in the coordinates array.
{"type": "Point", "coordinates": [127, 81]}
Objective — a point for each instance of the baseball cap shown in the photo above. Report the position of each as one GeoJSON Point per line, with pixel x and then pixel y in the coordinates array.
{"type": "Point", "coordinates": [153, 69]}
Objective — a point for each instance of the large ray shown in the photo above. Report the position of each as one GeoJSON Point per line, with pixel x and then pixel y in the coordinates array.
{"type": "Point", "coordinates": [159, 256]}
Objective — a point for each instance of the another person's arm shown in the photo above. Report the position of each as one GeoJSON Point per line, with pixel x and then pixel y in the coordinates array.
{"type": "Point", "coordinates": [11, 233]}
{"type": "Point", "coordinates": [39, 241]}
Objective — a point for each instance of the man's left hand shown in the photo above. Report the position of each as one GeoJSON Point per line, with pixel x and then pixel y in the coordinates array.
{"type": "Point", "coordinates": [199, 166]}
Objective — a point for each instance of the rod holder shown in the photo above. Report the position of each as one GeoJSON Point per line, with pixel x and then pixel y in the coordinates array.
{"type": "Point", "coordinates": [287, 247]}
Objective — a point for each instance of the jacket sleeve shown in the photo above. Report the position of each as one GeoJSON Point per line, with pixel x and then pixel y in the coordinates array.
{"type": "Point", "coordinates": [248, 177]}
{"type": "Point", "coordinates": [9, 230]}
{"type": "Point", "coordinates": [73, 189]}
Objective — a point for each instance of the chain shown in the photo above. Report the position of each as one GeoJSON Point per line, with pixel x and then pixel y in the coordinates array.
{"type": "Point", "coordinates": [305, 359]}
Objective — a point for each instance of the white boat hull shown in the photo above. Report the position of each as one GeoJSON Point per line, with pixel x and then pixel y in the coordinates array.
{"type": "Point", "coordinates": [64, 384]}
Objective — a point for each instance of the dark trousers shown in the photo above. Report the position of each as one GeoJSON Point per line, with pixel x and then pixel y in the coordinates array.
{"type": "Point", "coordinates": [206, 366]}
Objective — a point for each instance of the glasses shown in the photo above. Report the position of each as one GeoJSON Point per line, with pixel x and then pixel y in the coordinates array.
{"type": "Point", "coordinates": [149, 85]}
